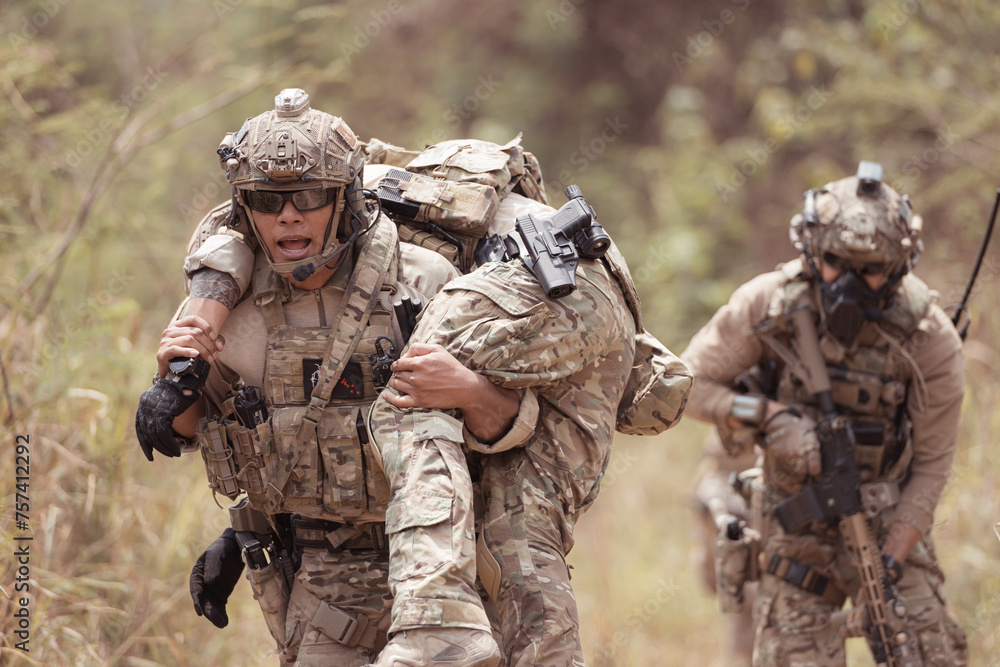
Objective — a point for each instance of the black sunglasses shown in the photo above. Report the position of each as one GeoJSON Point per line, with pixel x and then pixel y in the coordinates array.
{"type": "Point", "coordinates": [841, 264]}
{"type": "Point", "coordinates": [269, 201]}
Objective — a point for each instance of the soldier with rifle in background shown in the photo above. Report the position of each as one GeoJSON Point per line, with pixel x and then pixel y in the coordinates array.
{"type": "Point", "coordinates": [843, 368]}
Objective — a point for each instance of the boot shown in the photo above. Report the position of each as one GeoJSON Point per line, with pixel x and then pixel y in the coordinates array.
{"type": "Point", "coordinates": [450, 647]}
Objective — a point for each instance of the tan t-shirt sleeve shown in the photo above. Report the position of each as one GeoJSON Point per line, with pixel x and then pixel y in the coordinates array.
{"type": "Point", "coordinates": [935, 415]}
{"type": "Point", "coordinates": [727, 346]}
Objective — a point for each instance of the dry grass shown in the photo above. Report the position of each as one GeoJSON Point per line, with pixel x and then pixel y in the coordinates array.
{"type": "Point", "coordinates": [115, 536]}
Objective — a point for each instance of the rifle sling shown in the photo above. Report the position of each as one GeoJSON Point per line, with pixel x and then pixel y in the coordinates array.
{"type": "Point", "coordinates": [806, 361]}
{"type": "Point", "coordinates": [802, 576]}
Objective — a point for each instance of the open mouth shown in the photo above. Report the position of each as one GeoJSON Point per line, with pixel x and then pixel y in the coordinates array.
{"type": "Point", "coordinates": [295, 246]}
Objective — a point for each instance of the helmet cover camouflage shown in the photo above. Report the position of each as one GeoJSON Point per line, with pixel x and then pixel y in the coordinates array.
{"type": "Point", "coordinates": [295, 147]}
{"type": "Point", "coordinates": [873, 225]}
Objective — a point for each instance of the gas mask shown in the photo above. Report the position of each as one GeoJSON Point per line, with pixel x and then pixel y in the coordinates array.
{"type": "Point", "coordinates": [848, 303]}
{"type": "Point", "coordinates": [860, 227]}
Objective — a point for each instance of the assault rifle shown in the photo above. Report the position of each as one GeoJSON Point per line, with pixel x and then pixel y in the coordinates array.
{"type": "Point", "coordinates": [839, 494]}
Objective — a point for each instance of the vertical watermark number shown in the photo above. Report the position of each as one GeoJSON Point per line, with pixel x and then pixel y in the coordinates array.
{"type": "Point", "coordinates": [22, 540]}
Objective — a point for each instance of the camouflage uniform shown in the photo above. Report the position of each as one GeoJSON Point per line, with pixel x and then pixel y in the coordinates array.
{"type": "Point", "coordinates": [571, 360]}
{"type": "Point", "coordinates": [310, 466]}
{"type": "Point", "coordinates": [336, 482]}
{"type": "Point", "coordinates": [900, 382]}
{"type": "Point", "coordinates": [341, 484]}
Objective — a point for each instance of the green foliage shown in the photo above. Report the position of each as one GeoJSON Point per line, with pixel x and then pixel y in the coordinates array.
{"type": "Point", "coordinates": [693, 128]}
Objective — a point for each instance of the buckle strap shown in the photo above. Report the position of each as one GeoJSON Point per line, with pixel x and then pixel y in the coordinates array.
{"type": "Point", "coordinates": [339, 625]}
{"type": "Point", "coordinates": [348, 629]}
{"type": "Point", "coordinates": [335, 537]}
{"type": "Point", "coordinates": [802, 576]}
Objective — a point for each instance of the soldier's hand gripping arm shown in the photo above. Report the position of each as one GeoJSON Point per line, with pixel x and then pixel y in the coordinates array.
{"type": "Point", "coordinates": [170, 407]}
{"type": "Point", "coordinates": [430, 377]}
{"type": "Point", "coordinates": [214, 577]}
{"type": "Point", "coordinates": [212, 295]}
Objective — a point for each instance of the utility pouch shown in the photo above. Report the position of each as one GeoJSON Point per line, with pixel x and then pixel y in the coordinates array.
{"type": "Point", "coordinates": [271, 592]}
{"type": "Point", "coordinates": [473, 161]}
{"type": "Point", "coordinates": [218, 457]}
{"type": "Point", "coordinates": [343, 478]}
{"type": "Point", "coordinates": [735, 561]}
{"type": "Point", "coordinates": [302, 492]}
{"type": "Point", "coordinates": [250, 445]}
{"type": "Point", "coordinates": [463, 208]}
{"type": "Point", "coordinates": [452, 191]}
{"type": "Point", "coordinates": [453, 212]}
{"type": "Point", "coordinates": [424, 239]}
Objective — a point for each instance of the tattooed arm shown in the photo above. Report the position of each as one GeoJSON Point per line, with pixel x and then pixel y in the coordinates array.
{"type": "Point", "coordinates": [213, 295]}
{"type": "Point", "coordinates": [195, 331]}
{"type": "Point", "coordinates": [211, 285]}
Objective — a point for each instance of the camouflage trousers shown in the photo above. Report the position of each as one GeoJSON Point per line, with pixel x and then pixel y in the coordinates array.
{"type": "Point", "coordinates": [432, 537]}
{"type": "Point", "coordinates": [353, 582]}
{"type": "Point", "coordinates": [793, 626]}
{"type": "Point", "coordinates": [430, 521]}
{"type": "Point", "coordinates": [526, 530]}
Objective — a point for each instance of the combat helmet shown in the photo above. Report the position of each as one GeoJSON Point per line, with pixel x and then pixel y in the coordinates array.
{"type": "Point", "coordinates": [863, 226]}
{"type": "Point", "coordinates": [295, 147]}
{"type": "Point", "coordinates": [861, 220]}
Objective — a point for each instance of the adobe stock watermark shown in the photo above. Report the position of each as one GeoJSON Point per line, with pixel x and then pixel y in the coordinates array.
{"type": "Point", "coordinates": [364, 35]}
{"type": "Point", "coordinates": [699, 43]}
{"type": "Point", "coordinates": [86, 313]}
{"type": "Point", "coordinates": [988, 271]}
{"type": "Point", "coordinates": [814, 100]}
{"type": "Point", "coordinates": [562, 13]}
{"type": "Point", "coordinates": [665, 590]}
{"type": "Point", "coordinates": [901, 13]}
{"type": "Point", "coordinates": [113, 119]}
{"type": "Point", "coordinates": [224, 8]}
{"type": "Point", "coordinates": [984, 618]}
{"type": "Point", "coordinates": [621, 462]}
{"type": "Point", "coordinates": [586, 154]}
{"type": "Point", "coordinates": [920, 162]}
{"type": "Point", "coordinates": [656, 259]}
{"type": "Point", "coordinates": [486, 86]}
{"type": "Point", "coordinates": [205, 198]}
{"type": "Point", "coordinates": [29, 26]}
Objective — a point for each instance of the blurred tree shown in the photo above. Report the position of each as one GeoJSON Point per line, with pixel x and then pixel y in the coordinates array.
{"type": "Point", "coordinates": [693, 128]}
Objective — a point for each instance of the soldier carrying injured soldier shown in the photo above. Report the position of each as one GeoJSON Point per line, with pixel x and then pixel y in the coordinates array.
{"type": "Point", "coordinates": [523, 390]}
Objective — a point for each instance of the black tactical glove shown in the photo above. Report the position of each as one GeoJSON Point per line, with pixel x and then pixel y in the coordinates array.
{"type": "Point", "coordinates": [214, 577]}
{"type": "Point", "coordinates": [164, 401]}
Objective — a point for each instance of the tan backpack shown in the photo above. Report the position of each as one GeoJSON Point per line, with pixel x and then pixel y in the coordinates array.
{"type": "Point", "coordinates": [445, 197]}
